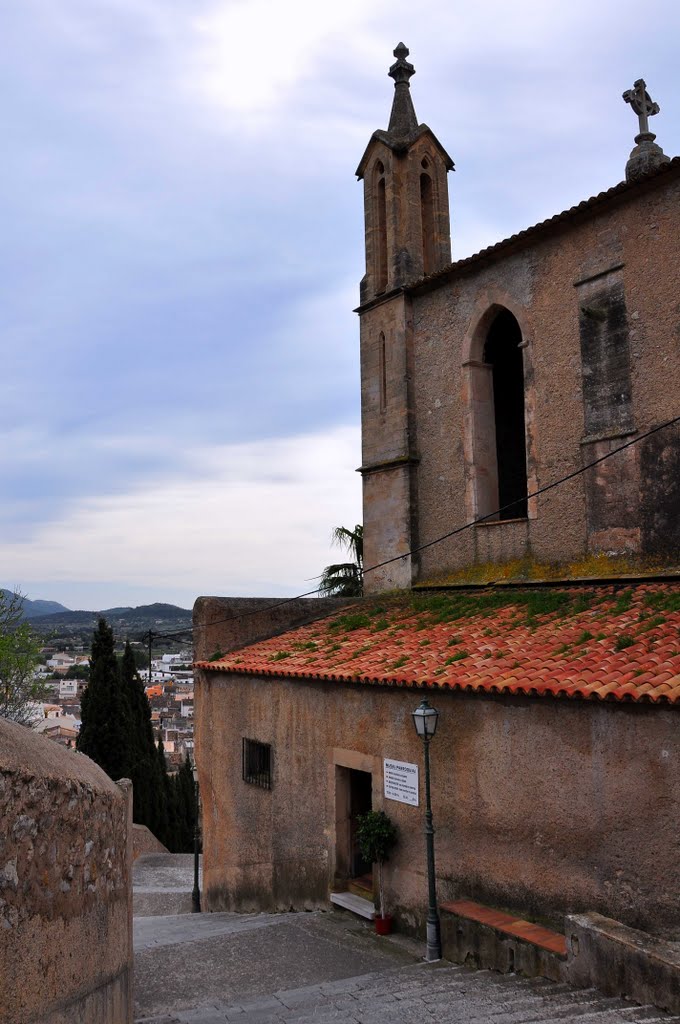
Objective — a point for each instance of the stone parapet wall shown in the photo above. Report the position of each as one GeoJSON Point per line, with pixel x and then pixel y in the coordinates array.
{"type": "Point", "coordinates": [223, 624]}
{"type": "Point", "coordinates": [65, 886]}
{"type": "Point", "coordinates": [144, 841]}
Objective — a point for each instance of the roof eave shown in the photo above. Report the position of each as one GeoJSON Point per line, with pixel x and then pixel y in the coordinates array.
{"type": "Point", "coordinates": [400, 145]}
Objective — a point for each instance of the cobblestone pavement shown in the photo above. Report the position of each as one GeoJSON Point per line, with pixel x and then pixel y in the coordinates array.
{"type": "Point", "coordinates": [330, 967]}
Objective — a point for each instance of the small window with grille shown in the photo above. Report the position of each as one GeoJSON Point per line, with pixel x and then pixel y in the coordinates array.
{"type": "Point", "coordinates": [257, 763]}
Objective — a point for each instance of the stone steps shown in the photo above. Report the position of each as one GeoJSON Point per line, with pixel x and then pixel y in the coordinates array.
{"type": "Point", "coordinates": [445, 993]}
{"type": "Point", "coordinates": [357, 904]}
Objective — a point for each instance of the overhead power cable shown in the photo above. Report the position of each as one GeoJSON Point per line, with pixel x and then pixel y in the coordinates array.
{"type": "Point", "coordinates": [445, 536]}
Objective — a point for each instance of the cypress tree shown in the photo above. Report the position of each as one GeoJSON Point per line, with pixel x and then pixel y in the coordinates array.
{"type": "Point", "coordinates": [168, 826]}
{"type": "Point", "coordinates": [104, 733]}
{"type": "Point", "coordinates": [186, 808]}
{"type": "Point", "coordinates": [142, 768]}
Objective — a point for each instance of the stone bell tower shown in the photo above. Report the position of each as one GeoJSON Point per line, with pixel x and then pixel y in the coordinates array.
{"type": "Point", "coordinates": [408, 236]}
{"type": "Point", "coordinates": [406, 202]}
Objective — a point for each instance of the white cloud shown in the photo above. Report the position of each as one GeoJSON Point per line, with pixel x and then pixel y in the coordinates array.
{"type": "Point", "coordinates": [256, 520]}
{"type": "Point", "coordinates": [251, 54]}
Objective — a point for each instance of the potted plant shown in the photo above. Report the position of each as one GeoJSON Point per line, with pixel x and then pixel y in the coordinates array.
{"type": "Point", "coordinates": [376, 836]}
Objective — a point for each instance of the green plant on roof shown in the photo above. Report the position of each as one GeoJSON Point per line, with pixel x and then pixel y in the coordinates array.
{"type": "Point", "coordinates": [425, 643]}
{"type": "Point", "coordinates": [584, 637]}
{"type": "Point", "coordinates": [399, 663]}
{"type": "Point", "coordinates": [348, 623]}
{"type": "Point", "coordinates": [663, 601]}
{"type": "Point", "coordinates": [360, 650]}
{"type": "Point", "coordinates": [216, 656]}
{"type": "Point", "coordinates": [652, 623]}
{"type": "Point", "coordinates": [280, 655]}
{"type": "Point", "coordinates": [623, 602]}
{"type": "Point", "coordinates": [623, 641]}
{"type": "Point", "coordinates": [380, 625]}
{"type": "Point", "coordinates": [453, 640]}
{"type": "Point", "coordinates": [458, 656]}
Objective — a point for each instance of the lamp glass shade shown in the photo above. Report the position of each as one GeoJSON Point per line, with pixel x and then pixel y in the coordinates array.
{"type": "Point", "coordinates": [425, 719]}
{"type": "Point", "coordinates": [194, 772]}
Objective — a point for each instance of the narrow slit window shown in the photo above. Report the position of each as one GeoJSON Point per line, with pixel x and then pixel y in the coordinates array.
{"type": "Point", "coordinates": [383, 373]}
{"type": "Point", "coordinates": [257, 763]}
{"type": "Point", "coordinates": [381, 228]}
{"type": "Point", "coordinates": [427, 222]}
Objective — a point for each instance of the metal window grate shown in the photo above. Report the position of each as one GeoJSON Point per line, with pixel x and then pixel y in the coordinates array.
{"type": "Point", "coordinates": [257, 763]}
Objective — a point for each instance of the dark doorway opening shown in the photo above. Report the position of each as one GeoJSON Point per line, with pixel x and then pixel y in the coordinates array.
{"type": "Point", "coordinates": [503, 353]}
{"type": "Point", "coordinates": [360, 801]}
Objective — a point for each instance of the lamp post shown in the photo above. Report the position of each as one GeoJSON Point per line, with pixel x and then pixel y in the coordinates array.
{"type": "Point", "coordinates": [196, 892]}
{"type": "Point", "coordinates": [425, 720]}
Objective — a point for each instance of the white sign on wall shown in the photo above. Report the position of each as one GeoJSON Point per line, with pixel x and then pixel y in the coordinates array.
{"type": "Point", "coordinates": [401, 781]}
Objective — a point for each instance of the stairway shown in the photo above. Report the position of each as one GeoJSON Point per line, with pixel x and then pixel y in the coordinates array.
{"type": "Point", "coordinates": [444, 993]}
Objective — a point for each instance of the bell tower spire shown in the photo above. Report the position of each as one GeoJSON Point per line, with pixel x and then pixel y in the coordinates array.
{"type": "Point", "coordinates": [403, 118]}
{"type": "Point", "coordinates": [406, 199]}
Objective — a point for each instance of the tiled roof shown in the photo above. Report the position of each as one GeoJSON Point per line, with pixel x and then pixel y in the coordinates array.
{"type": "Point", "coordinates": [598, 643]}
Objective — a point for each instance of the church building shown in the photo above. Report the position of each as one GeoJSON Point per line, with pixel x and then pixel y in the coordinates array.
{"type": "Point", "coordinates": [521, 482]}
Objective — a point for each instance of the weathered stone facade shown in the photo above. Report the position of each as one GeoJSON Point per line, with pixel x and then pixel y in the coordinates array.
{"type": "Point", "coordinates": [65, 886]}
{"type": "Point", "coordinates": [541, 805]}
{"type": "Point", "coordinates": [592, 294]}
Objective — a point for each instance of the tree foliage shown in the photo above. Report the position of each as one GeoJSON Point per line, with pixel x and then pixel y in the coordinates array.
{"type": "Point", "coordinates": [143, 768]}
{"type": "Point", "coordinates": [105, 714]}
{"type": "Point", "coordinates": [20, 690]}
{"type": "Point", "coordinates": [345, 579]}
{"type": "Point", "coordinates": [117, 733]}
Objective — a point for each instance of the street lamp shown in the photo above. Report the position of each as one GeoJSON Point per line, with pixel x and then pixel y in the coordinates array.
{"type": "Point", "coordinates": [196, 892]}
{"type": "Point", "coordinates": [425, 720]}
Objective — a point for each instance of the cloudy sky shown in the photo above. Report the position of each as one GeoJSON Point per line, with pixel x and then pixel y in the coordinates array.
{"type": "Point", "coordinates": [182, 246]}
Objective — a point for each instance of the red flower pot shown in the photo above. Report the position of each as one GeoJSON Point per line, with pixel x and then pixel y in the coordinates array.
{"type": "Point", "coordinates": [383, 925]}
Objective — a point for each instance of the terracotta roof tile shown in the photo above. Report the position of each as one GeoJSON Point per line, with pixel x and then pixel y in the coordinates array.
{"type": "Point", "coordinates": [599, 643]}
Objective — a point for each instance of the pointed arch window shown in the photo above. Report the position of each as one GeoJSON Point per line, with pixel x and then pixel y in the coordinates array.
{"type": "Point", "coordinates": [503, 354]}
{"type": "Point", "coordinates": [427, 221]}
{"type": "Point", "coordinates": [380, 229]}
{"type": "Point", "coordinates": [498, 410]}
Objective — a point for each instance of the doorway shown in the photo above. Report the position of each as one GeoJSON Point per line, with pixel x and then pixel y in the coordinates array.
{"type": "Point", "coordinates": [360, 802]}
{"type": "Point", "coordinates": [353, 797]}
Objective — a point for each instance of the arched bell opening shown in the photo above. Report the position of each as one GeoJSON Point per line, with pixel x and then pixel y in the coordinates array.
{"type": "Point", "coordinates": [502, 352]}
{"type": "Point", "coordinates": [496, 419]}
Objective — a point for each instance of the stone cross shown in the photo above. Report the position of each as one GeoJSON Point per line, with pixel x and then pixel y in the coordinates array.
{"type": "Point", "coordinates": [646, 157]}
{"type": "Point", "coordinates": [642, 103]}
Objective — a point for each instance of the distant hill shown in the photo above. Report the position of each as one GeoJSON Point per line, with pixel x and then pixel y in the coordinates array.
{"type": "Point", "coordinates": [153, 613]}
{"type": "Point", "coordinates": [55, 619]}
{"type": "Point", "coordinates": [34, 608]}
{"type": "Point", "coordinates": [125, 622]}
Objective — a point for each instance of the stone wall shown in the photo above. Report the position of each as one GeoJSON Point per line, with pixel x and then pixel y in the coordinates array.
{"type": "Point", "coordinates": [144, 841]}
{"type": "Point", "coordinates": [65, 886]}
{"type": "Point", "coordinates": [541, 806]}
{"type": "Point", "coordinates": [222, 624]}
